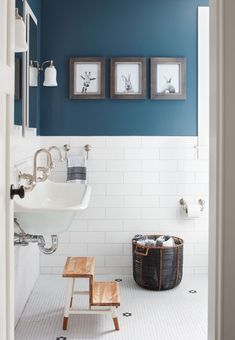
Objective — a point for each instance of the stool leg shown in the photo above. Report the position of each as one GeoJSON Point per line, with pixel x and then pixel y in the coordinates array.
{"type": "Point", "coordinates": [71, 301]}
{"type": "Point", "coordinates": [65, 323]}
{"type": "Point", "coordinates": [67, 305]}
{"type": "Point", "coordinates": [115, 319]}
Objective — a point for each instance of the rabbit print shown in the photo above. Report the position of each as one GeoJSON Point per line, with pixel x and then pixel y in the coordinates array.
{"type": "Point", "coordinates": [168, 87]}
{"type": "Point", "coordinates": [128, 83]}
{"type": "Point", "coordinates": [87, 81]}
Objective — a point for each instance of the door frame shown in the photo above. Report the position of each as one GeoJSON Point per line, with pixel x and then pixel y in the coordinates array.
{"type": "Point", "coordinates": [216, 172]}
{"type": "Point", "coordinates": [222, 165]}
{"type": "Point", "coordinates": [7, 67]}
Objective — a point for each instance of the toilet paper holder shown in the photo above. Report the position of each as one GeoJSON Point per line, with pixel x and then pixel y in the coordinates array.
{"type": "Point", "coordinates": [184, 205]}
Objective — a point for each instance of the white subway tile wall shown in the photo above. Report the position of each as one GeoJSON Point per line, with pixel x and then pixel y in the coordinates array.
{"type": "Point", "coordinates": [26, 258]}
{"type": "Point", "coordinates": [24, 148]}
{"type": "Point", "coordinates": [137, 183]}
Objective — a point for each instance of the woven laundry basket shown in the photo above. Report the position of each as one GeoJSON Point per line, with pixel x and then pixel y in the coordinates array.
{"type": "Point", "coordinates": [158, 267]}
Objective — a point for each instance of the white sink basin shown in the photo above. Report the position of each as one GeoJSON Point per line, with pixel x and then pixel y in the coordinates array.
{"type": "Point", "coordinates": [50, 207]}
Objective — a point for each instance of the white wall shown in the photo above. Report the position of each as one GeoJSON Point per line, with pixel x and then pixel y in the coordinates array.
{"type": "Point", "coordinates": [26, 258]}
{"type": "Point", "coordinates": [26, 274]}
{"type": "Point", "coordinates": [137, 183]}
{"type": "Point", "coordinates": [24, 148]}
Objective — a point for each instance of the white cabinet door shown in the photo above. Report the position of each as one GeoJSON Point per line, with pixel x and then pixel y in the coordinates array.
{"type": "Point", "coordinates": [7, 22]}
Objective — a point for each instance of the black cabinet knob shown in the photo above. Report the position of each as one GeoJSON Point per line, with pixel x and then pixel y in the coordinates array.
{"type": "Point", "coordinates": [20, 191]}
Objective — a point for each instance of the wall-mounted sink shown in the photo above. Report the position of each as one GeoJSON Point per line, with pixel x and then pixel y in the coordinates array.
{"type": "Point", "coordinates": [50, 207]}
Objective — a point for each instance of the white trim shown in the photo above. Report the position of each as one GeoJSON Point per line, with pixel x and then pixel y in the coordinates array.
{"type": "Point", "coordinates": [29, 11]}
{"type": "Point", "coordinates": [29, 132]}
{"type": "Point", "coordinates": [7, 34]}
{"type": "Point", "coordinates": [6, 72]}
{"type": "Point", "coordinates": [10, 173]}
{"type": "Point", "coordinates": [216, 171]}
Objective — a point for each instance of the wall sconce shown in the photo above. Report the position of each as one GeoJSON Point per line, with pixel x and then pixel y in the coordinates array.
{"type": "Point", "coordinates": [20, 33]}
{"type": "Point", "coordinates": [49, 76]}
{"type": "Point", "coordinates": [33, 73]}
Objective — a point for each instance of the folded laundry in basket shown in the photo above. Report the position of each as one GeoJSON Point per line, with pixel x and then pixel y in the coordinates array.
{"type": "Point", "coordinates": [137, 237]}
{"type": "Point", "coordinates": [141, 242]}
{"type": "Point", "coordinates": [165, 241]}
{"type": "Point", "coordinates": [145, 241]}
{"type": "Point", "coordinates": [150, 242]}
{"type": "Point", "coordinates": [161, 241]}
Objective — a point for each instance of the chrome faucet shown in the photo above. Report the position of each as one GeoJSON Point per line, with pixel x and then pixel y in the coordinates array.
{"type": "Point", "coordinates": [44, 169]}
{"type": "Point", "coordinates": [61, 159]}
{"type": "Point", "coordinates": [32, 180]}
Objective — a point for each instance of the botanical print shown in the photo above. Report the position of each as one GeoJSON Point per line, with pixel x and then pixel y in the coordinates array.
{"type": "Point", "coordinates": [168, 78]}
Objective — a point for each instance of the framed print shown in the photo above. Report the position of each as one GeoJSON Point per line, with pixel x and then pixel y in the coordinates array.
{"type": "Point", "coordinates": [128, 78]}
{"type": "Point", "coordinates": [168, 78]}
{"type": "Point", "coordinates": [87, 78]}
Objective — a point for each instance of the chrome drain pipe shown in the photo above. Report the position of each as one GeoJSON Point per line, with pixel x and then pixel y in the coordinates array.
{"type": "Point", "coordinates": [23, 239]}
{"type": "Point", "coordinates": [42, 243]}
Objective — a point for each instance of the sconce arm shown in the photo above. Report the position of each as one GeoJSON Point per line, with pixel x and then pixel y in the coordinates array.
{"type": "Point", "coordinates": [44, 63]}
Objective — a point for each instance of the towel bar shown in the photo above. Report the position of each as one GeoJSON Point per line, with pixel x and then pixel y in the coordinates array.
{"type": "Point", "coordinates": [201, 202]}
{"type": "Point", "coordinates": [86, 147]}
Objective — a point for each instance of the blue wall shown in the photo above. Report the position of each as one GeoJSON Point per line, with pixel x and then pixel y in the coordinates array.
{"type": "Point", "coordinates": [36, 7]}
{"type": "Point", "coordinates": [118, 28]}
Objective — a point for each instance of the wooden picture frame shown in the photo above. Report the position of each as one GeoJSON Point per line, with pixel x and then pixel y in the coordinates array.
{"type": "Point", "coordinates": [87, 78]}
{"type": "Point", "coordinates": [168, 78]}
{"type": "Point", "coordinates": [128, 78]}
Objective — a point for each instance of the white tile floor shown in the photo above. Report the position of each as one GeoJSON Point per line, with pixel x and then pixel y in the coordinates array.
{"type": "Point", "coordinates": [168, 315]}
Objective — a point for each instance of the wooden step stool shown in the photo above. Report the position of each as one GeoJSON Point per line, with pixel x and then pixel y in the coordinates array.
{"type": "Point", "coordinates": [103, 294]}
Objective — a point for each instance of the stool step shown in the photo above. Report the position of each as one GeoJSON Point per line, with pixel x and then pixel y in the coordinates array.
{"type": "Point", "coordinates": [106, 294]}
{"type": "Point", "coordinates": [79, 267]}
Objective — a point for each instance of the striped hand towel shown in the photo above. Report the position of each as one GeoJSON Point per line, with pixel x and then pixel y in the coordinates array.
{"type": "Point", "coordinates": [76, 168]}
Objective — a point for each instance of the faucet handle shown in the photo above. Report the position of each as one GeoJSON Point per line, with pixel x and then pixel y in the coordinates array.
{"type": "Point", "coordinates": [45, 173]}
{"type": "Point", "coordinates": [27, 177]}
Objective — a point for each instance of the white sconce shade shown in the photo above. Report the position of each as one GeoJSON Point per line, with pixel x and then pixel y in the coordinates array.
{"type": "Point", "coordinates": [50, 76]}
{"type": "Point", "coordinates": [20, 34]}
{"type": "Point", "coordinates": [33, 75]}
